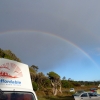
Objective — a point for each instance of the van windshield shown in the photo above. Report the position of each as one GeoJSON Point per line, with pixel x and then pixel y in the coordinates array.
{"type": "Point", "coordinates": [8, 95]}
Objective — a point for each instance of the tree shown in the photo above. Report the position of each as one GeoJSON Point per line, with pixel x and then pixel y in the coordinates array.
{"type": "Point", "coordinates": [8, 55]}
{"type": "Point", "coordinates": [2, 54]}
{"type": "Point", "coordinates": [55, 82]}
{"type": "Point", "coordinates": [64, 78]}
{"type": "Point", "coordinates": [40, 80]}
{"type": "Point", "coordinates": [69, 79]}
{"type": "Point", "coordinates": [66, 84]}
{"type": "Point", "coordinates": [35, 67]}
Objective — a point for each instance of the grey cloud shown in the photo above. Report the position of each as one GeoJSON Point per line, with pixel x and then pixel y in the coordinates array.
{"type": "Point", "coordinates": [76, 21]}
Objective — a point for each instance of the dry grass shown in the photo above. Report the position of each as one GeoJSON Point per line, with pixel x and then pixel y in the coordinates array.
{"type": "Point", "coordinates": [66, 95]}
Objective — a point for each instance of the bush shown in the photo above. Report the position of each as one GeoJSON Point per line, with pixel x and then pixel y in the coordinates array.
{"type": "Point", "coordinates": [66, 84]}
{"type": "Point", "coordinates": [35, 86]}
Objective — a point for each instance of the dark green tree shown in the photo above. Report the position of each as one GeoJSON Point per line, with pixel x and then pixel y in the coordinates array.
{"type": "Point", "coordinates": [35, 67]}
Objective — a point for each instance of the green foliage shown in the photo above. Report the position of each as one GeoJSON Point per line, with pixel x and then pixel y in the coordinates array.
{"type": "Point", "coordinates": [2, 54]}
{"type": "Point", "coordinates": [47, 83]}
{"type": "Point", "coordinates": [11, 55]}
{"type": "Point", "coordinates": [8, 55]}
{"type": "Point", "coordinates": [35, 67]}
{"type": "Point", "coordinates": [35, 86]}
{"type": "Point", "coordinates": [76, 84]}
{"type": "Point", "coordinates": [64, 78]}
{"type": "Point", "coordinates": [40, 79]}
{"type": "Point", "coordinates": [53, 75]}
{"type": "Point", "coordinates": [66, 84]}
{"type": "Point", "coordinates": [32, 70]}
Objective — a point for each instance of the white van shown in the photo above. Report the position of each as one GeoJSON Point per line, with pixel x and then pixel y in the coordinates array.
{"type": "Point", "coordinates": [15, 81]}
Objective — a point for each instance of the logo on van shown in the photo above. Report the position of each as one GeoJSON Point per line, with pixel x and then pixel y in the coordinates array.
{"type": "Point", "coordinates": [10, 70]}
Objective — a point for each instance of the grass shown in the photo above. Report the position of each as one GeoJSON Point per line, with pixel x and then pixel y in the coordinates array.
{"type": "Point", "coordinates": [66, 95]}
{"type": "Point", "coordinates": [43, 95]}
{"type": "Point", "coordinates": [56, 98]}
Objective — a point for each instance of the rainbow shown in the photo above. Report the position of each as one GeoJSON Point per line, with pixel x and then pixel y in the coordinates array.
{"type": "Point", "coordinates": [55, 36]}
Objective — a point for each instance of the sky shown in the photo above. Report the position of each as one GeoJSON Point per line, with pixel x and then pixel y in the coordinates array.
{"type": "Point", "coordinates": [62, 36]}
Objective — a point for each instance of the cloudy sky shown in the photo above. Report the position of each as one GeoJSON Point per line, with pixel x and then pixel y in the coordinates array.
{"type": "Point", "coordinates": [56, 35]}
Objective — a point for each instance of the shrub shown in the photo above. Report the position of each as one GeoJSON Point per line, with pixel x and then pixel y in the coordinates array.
{"type": "Point", "coordinates": [66, 84]}
{"type": "Point", "coordinates": [35, 86]}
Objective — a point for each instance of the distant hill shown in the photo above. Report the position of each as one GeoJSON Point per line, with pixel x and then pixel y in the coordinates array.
{"type": "Point", "coordinates": [8, 55]}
